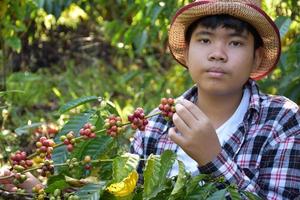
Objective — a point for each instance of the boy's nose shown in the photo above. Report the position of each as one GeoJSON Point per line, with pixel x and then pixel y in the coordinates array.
{"type": "Point", "coordinates": [218, 54]}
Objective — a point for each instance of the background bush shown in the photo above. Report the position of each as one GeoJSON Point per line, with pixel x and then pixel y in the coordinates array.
{"type": "Point", "coordinates": [54, 51]}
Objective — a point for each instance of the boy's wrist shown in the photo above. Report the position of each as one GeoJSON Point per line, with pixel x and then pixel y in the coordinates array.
{"type": "Point", "coordinates": [209, 156]}
{"type": "Point", "coordinates": [214, 165]}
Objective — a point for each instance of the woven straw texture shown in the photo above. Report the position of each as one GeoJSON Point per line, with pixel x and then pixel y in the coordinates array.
{"type": "Point", "coordinates": [237, 8]}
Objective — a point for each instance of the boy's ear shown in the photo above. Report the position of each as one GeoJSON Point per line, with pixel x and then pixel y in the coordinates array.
{"type": "Point", "coordinates": [258, 55]}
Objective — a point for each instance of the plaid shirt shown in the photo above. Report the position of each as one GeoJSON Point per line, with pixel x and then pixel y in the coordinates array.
{"type": "Point", "coordinates": [262, 156]}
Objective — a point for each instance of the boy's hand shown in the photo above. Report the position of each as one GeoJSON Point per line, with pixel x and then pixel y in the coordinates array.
{"type": "Point", "coordinates": [7, 182]}
{"type": "Point", "coordinates": [30, 182]}
{"type": "Point", "coordinates": [198, 137]}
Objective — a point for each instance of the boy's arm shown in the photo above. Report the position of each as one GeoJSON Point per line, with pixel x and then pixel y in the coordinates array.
{"type": "Point", "coordinates": [278, 176]}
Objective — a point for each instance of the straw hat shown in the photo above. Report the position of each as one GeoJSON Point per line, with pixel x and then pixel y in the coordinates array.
{"type": "Point", "coordinates": [246, 10]}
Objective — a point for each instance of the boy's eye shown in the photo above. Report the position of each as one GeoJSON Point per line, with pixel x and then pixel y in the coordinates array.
{"type": "Point", "coordinates": [204, 41]}
{"type": "Point", "coordinates": [236, 43]}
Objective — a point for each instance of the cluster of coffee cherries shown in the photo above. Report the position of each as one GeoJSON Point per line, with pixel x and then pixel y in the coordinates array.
{"type": "Point", "coordinates": [138, 120]}
{"type": "Point", "coordinates": [45, 147]}
{"type": "Point", "coordinates": [58, 195]}
{"type": "Point", "coordinates": [47, 168]}
{"type": "Point", "coordinates": [50, 130]}
{"type": "Point", "coordinates": [72, 163]}
{"type": "Point", "coordinates": [19, 178]}
{"type": "Point", "coordinates": [69, 140]}
{"type": "Point", "coordinates": [113, 125]}
{"type": "Point", "coordinates": [19, 161]}
{"type": "Point", "coordinates": [39, 191]}
{"type": "Point", "coordinates": [87, 162]}
{"type": "Point", "coordinates": [167, 107]}
{"type": "Point", "coordinates": [88, 131]}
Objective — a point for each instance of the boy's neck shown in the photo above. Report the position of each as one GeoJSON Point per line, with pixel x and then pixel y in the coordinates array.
{"type": "Point", "coordinates": [218, 108]}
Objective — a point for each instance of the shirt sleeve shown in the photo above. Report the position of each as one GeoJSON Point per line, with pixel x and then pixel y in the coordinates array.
{"type": "Point", "coordinates": [278, 174]}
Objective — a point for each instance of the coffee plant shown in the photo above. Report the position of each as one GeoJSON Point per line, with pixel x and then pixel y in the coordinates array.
{"type": "Point", "coordinates": [85, 160]}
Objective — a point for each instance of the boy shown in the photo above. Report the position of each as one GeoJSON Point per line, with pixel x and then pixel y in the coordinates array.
{"type": "Point", "coordinates": [224, 125]}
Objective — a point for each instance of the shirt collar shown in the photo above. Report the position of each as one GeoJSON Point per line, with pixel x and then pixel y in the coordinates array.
{"type": "Point", "coordinates": [192, 94]}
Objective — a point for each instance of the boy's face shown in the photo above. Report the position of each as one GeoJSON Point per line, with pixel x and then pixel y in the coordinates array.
{"type": "Point", "coordinates": [220, 60]}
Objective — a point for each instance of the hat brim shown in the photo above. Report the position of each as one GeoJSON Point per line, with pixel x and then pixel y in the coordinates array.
{"type": "Point", "coordinates": [246, 12]}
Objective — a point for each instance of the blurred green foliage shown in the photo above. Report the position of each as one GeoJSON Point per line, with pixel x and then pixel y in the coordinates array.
{"type": "Point", "coordinates": [54, 51]}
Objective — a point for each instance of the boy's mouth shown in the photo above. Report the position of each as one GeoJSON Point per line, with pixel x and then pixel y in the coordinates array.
{"type": "Point", "coordinates": [216, 72]}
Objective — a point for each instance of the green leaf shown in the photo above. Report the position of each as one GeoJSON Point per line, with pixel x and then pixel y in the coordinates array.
{"type": "Point", "coordinates": [95, 148]}
{"type": "Point", "coordinates": [219, 195]}
{"type": "Point", "coordinates": [199, 187]}
{"type": "Point", "coordinates": [151, 176]}
{"type": "Point", "coordinates": [14, 42]}
{"type": "Point", "coordinates": [200, 192]}
{"type": "Point", "coordinates": [234, 193]}
{"type": "Point", "coordinates": [251, 196]}
{"type": "Point", "coordinates": [77, 102]}
{"type": "Point", "coordinates": [98, 147]}
{"type": "Point", "coordinates": [194, 182]}
{"type": "Point", "coordinates": [181, 180]}
{"type": "Point", "coordinates": [164, 193]}
{"type": "Point", "coordinates": [24, 129]}
{"type": "Point", "coordinates": [75, 123]}
{"type": "Point", "coordinates": [60, 155]}
{"type": "Point", "coordinates": [40, 3]}
{"type": "Point", "coordinates": [123, 165]}
{"type": "Point", "coordinates": [54, 178]}
{"type": "Point", "coordinates": [2, 93]}
{"type": "Point", "coordinates": [157, 9]}
{"type": "Point", "coordinates": [167, 161]}
{"type": "Point", "coordinates": [61, 184]}
{"type": "Point", "coordinates": [91, 191]}
{"type": "Point", "coordinates": [155, 173]}
{"type": "Point", "coordinates": [138, 193]}
{"type": "Point", "coordinates": [141, 41]}
{"type": "Point", "coordinates": [283, 23]}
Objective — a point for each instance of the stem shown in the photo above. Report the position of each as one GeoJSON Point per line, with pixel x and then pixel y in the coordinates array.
{"type": "Point", "coordinates": [18, 193]}
{"type": "Point", "coordinates": [77, 138]}
{"type": "Point", "coordinates": [101, 131]}
{"type": "Point", "coordinates": [62, 164]}
{"type": "Point", "coordinates": [154, 114]}
{"type": "Point", "coordinates": [6, 177]}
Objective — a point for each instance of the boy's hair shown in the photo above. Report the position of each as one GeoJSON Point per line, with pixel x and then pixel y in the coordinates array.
{"type": "Point", "coordinates": [226, 21]}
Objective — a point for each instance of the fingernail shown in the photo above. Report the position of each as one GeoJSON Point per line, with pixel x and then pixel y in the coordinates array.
{"type": "Point", "coordinates": [178, 100]}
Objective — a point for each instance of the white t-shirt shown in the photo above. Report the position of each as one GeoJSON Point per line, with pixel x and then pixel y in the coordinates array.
{"type": "Point", "coordinates": [224, 132]}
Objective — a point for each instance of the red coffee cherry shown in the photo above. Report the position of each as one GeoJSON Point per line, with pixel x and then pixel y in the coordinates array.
{"type": "Point", "coordinates": [19, 178]}
{"type": "Point", "coordinates": [69, 140]}
{"type": "Point", "coordinates": [113, 125]}
{"type": "Point", "coordinates": [87, 131]}
{"type": "Point", "coordinates": [45, 147]}
{"type": "Point", "coordinates": [138, 120]}
{"type": "Point", "coordinates": [87, 161]}
{"type": "Point", "coordinates": [167, 107]}
{"type": "Point", "coordinates": [20, 160]}
{"type": "Point", "coordinates": [47, 168]}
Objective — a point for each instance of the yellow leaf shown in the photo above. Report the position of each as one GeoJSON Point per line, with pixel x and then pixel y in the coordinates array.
{"type": "Point", "coordinates": [125, 187]}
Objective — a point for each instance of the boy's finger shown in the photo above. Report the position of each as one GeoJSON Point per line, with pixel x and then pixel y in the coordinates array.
{"type": "Point", "coordinates": [185, 115]}
{"type": "Point", "coordinates": [10, 187]}
{"type": "Point", "coordinates": [30, 182]}
{"type": "Point", "coordinates": [191, 107]}
{"type": "Point", "coordinates": [5, 172]}
{"type": "Point", "coordinates": [180, 124]}
{"type": "Point", "coordinates": [178, 139]}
